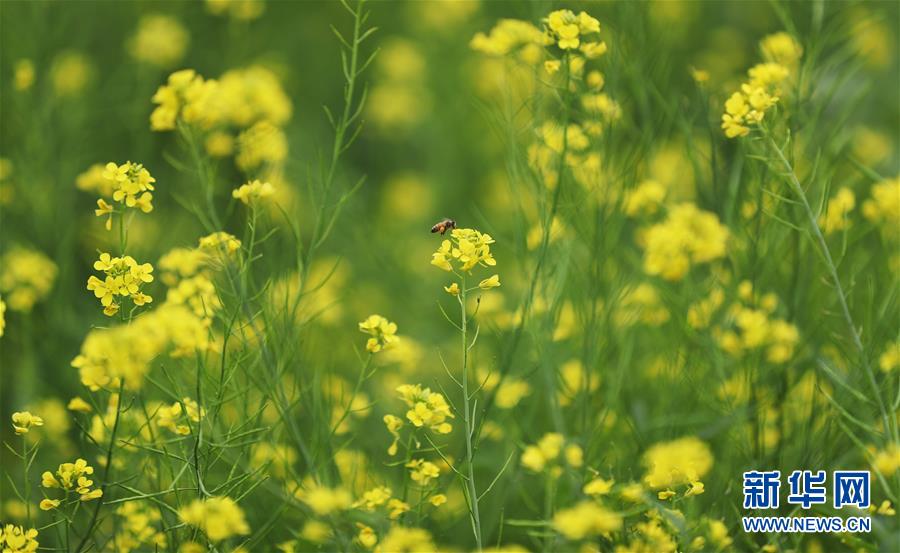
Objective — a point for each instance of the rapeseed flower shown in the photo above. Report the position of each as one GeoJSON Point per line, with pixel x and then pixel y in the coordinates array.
{"type": "Point", "coordinates": [124, 278]}
{"type": "Point", "coordinates": [427, 409]}
{"type": "Point", "coordinates": [15, 539]}
{"type": "Point", "coordinates": [159, 40]}
{"type": "Point", "coordinates": [677, 462]}
{"type": "Point", "coordinates": [219, 518]}
{"type": "Point", "coordinates": [586, 519]}
{"type": "Point", "coordinates": [383, 332]}
{"type": "Point", "coordinates": [401, 539]}
{"type": "Point", "coordinates": [422, 472]}
{"type": "Point", "coordinates": [252, 191]}
{"type": "Point", "coordinates": [467, 247]}
{"type": "Point", "coordinates": [688, 236]}
{"type": "Point", "coordinates": [26, 277]}
{"type": "Point", "coordinates": [23, 421]}
{"type": "Point", "coordinates": [72, 477]}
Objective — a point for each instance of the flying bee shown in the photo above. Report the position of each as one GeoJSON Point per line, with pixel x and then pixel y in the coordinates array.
{"type": "Point", "coordinates": [443, 226]}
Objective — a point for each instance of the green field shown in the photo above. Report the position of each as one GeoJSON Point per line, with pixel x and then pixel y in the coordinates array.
{"type": "Point", "coordinates": [448, 275]}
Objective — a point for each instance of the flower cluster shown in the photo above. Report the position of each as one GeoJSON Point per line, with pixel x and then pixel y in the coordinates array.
{"type": "Point", "coordinates": [322, 499]}
{"type": "Point", "coordinates": [575, 32]}
{"type": "Point", "coordinates": [688, 236]}
{"type": "Point", "coordinates": [586, 519]}
{"type": "Point", "coordinates": [26, 276]}
{"type": "Point", "coordinates": [23, 421]}
{"type": "Point", "coordinates": [682, 461]}
{"type": "Point", "coordinates": [131, 185]}
{"type": "Point", "coordinates": [126, 351]}
{"type": "Point", "coordinates": [252, 191]}
{"type": "Point", "coordinates": [173, 417]}
{"type": "Point", "coordinates": [186, 95]}
{"type": "Point", "coordinates": [15, 539]}
{"type": "Point", "coordinates": [219, 518]}
{"type": "Point", "coordinates": [70, 477]}
{"type": "Point", "coordinates": [545, 454]}
{"type": "Point", "coordinates": [426, 408]}
{"type": "Point", "coordinates": [159, 40]}
{"type": "Point", "coordinates": [138, 528]}
{"type": "Point", "coordinates": [422, 472]}
{"type": "Point", "coordinates": [467, 247]}
{"type": "Point", "coordinates": [383, 333]}
{"type": "Point", "coordinates": [220, 242]}
{"type": "Point", "coordinates": [124, 278]}
{"type": "Point", "coordinates": [839, 207]}
{"type": "Point", "coordinates": [748, 106]}
{"type": "Point", "coordinates": [883, 208]}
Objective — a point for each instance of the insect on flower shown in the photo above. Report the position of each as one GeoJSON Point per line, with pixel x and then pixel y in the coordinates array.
{"type": "Point", "coordinates": [443, 226]}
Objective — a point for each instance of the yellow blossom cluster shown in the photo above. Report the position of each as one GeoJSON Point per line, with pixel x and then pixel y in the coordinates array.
{"type": "Point", "coordinates": [159, 40]}
{"type": "Point", "coordinates": [467, 247]}
{"type": "Point", "coordinates": [781, 48]}
{"type": "Point", "coordinates": [883, 208]}
{"type": "Point", "coordinates": [242, 113]}
{"type": "Point", "coordinates": [836, 213]}
{"type": "Point", "coordinates": [220, 242]}
{"type": "Point", "coordinates": [549, 452]}
{"type": "Point", "coordinates": [178, 416]}
{"type": "Point", "coordinates": [138, 528]}
{"type": "Point", "coordinates": [682, 461]}
{"type": "Point", "coordinates": [26, 276]}
{"type": "Point", "coordinates": [383, 333]}
{"type": "Point", "coordinates": [688, 236]}
{"type": "Point", "coordinates": [422, 472]}
{"type": "Point", "coordinates": [748, 105]}
{"type": "Point", "coordinates": [322, 499]}
{"type": "Point", "coordinates": [512, 36]}
{"type": "Point", "coordinates": [406, 539]}
{"type": "Point", "coordinates": [15, 539]}
{"type": "Point", "coordinates": [22, 422]}
{"type": "Point", "coordinates": [219, 518]}
{"type": "Point", "coordinates": [126, 351]}
{"type": "Point", "coordinates": [240, 10]}
{"type": "Point", "coordinates": [575, 32]}
{"type": "Point", "coordinates": [252, 191]}
{"type": "Point", "coordinates": [128, 180]}
{"type": "Point", "coordinates": [586, 519]}
{"type": "Point", "coordinates": [748, 325]}
{"type": "Point", "coordinates": [426, 408]}
{"type": "Point", "coordinates": [124, 278]}
{"type": "Point", "coordinates": [70, 477]}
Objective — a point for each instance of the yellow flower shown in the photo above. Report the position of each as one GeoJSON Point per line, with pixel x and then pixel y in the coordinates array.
{"type": "Point", "coordinates": [218, 517]}
{"type": "Point", "coordinates": [366, 536]}
{"type": "Point", "coordinates": [80, 405]}
{"type": "Point", "coordinates": [598, 486]}
{"type": "Point", "coordinates": [323, 500]}
{"type": "Point", "coordinates": [159, 40]}
{"type": "Point", "coordinates": [23, 421]}
{"type": "Point", "coordinates": [394, 424]}
{"type": "Point", "coordinates": [586, 519]}
{"type": "Point", "coordinates": [488, 283]}
{"type": "Point", "coordinates": [468, 247]}
{"type": "Point", "coordinates": [383, 332]}
{"type": "Point", "coordinates": [676, 462]}
{"type": "Point", "coordinates": [26, 276]}
{"type": "Point", "coordinates": [15, 539]}
{"type": "Point", "coordinates": [422, 471]}
{"type": "Point", "coordinates": [453, 289]}
{"type": "Point", "coordinates": [687, 236]}
{"type": "Point", "coordinates": [427, 408]}
{"type": "Point", "coordinates": [781, 48]}
{"type": "Point", "coordinates": [665, 494]}
{"type": "Point", "coordinates": [696, 488]}
{"type": "Point", "coordinates": [890, 359]}
{"type": "Point", "coordinates": [49, 504]}
{"type": "Point", "coordinates": [23, 74]}
{"type": "Point", "coordinates": [131, 186]}
{"type": "Point", "coordinates": [374, 498]}
{"type": "Point", "coordinates": [253, 190]}
{"type": "Point", "coordinates": [397, 508]}
{"type": "Point", "coordinates": [438, 499]}
{"type": "Point", "coordinates": [73, 477]}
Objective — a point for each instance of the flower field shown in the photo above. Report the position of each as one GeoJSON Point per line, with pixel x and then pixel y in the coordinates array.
{"type": "Point", "coordinates": [448, 275]}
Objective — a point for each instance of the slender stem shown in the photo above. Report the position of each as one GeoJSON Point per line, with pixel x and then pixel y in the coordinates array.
{"type": "Point", "coordinates": [794, 183]}
{"type": "Point", "coordinates": [107, 469]}
{"type": "Point", "coordinates": [467, 419]}
{"type": "Point", "coordinates": [27, 483]}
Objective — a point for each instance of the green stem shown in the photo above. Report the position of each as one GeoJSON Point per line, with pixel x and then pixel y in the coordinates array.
{"type": "Point", "coordinates": [794, 183]}
{"type": "Point", "coordinates": [467, 420]}
{"type": "Point", "coordinates": [107, 469]}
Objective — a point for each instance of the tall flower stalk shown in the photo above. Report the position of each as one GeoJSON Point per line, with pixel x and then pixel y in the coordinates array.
{"type": "Point", "coordinates": [464, 251]}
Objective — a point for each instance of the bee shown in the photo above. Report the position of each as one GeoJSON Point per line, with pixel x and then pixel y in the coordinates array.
{"type": "Point", "coordinates": [443, 226]}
